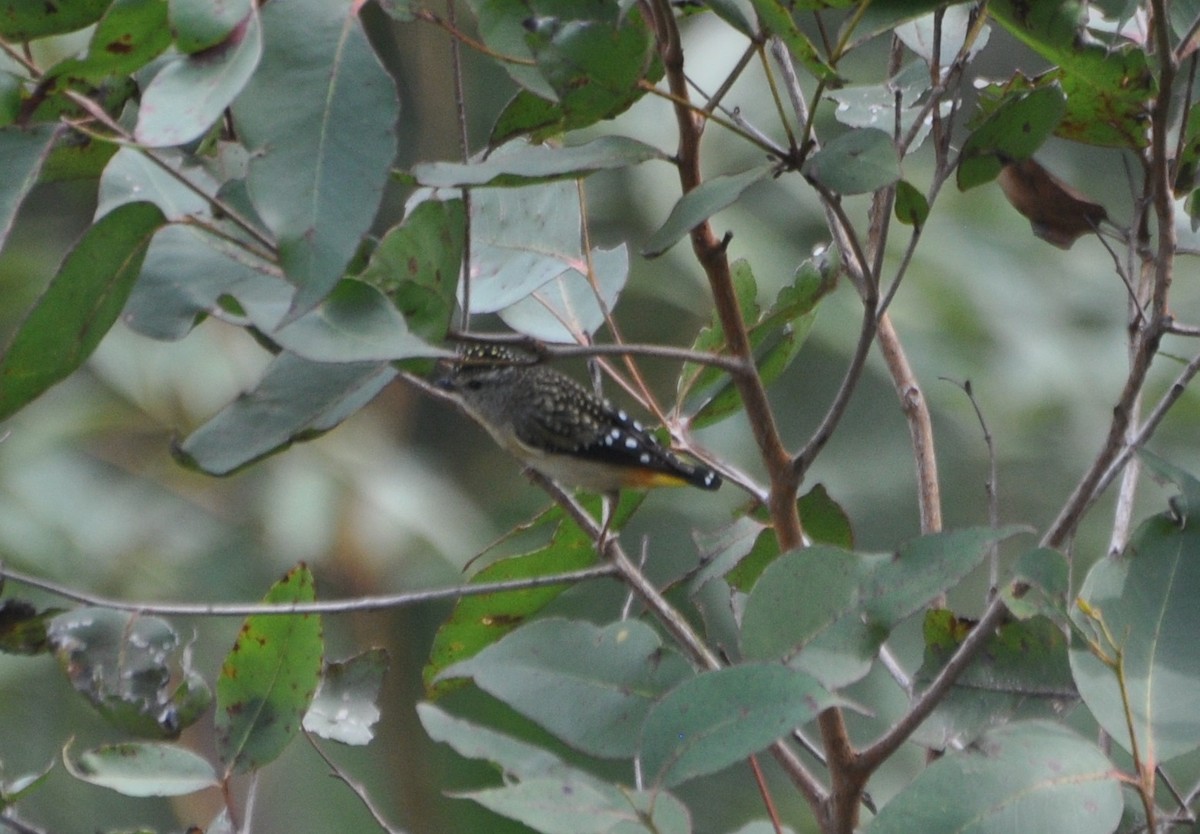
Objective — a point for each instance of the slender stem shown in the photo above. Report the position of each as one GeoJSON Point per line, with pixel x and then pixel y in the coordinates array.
{"type": "Point", "coordinates": [711, 253]}
{"type": "Point", "coordinates": [464, 147]}
{"type": "Point", "coordinates": [335, 606]}
{"type": "Point", "coordinates": [873, 756]}
{"type": "Point", "coordinates": [682, 100]}
{"type": "Point", "coordinates": [356, 787]}
{"type": "Point", "coordinates": [674, 622]}
{"type": "Point", "coordinates": [461, 36]}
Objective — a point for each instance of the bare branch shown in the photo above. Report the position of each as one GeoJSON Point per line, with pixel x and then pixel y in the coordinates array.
{"type": "Point", "coordinates": [336, 606]}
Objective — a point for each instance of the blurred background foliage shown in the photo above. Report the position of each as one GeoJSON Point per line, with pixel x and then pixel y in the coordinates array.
{"type": "Point", "coordinates": [404, 493]}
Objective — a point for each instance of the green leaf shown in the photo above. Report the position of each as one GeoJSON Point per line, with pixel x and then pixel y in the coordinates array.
{"type": "Point", "coordinates": [23, 152]}
{"type": "Point", "coordinates": [595, 66]}
{"type": "Point", "coordinates": [417, 265]}
{"type": "Point", "coordinates": [190, 93]}
{"type": "Point", "coordinates": [129, 36]}
{"type": "Point", "coordinates": [295, 400]}
{"type": "Point", "coordinates": [200, 25]}
{"type": "Point", "coordinates": [143, 769]}
{"type": "Point", "coordinates": [124, 665]}
{"type": "Point", "coordinates": [1187, 503]}
{"type": "Point", "coordinates": [912, 209]}
{"type": "Point", "coordinates": [1146, 598]}
{"type": "Point", "coordinates": [480, 620]}
{"type": "Point", "coordinates": [345, 707]}
{"type": "Point", "coordinates": [591, 686]}
{"type": "Point", "coordinates": [1027, 776]}
{"type": "Point", "coordinates": [1022, 673]}
{"type": "Point", "coordinates": [23, 628]}
{"type": "Point", "coordinates": [857, 162]}
{"type": "Point", "coordinates": [825, 522]}
{"type": "Point", "coordinates": [718, 718]}
{"type": "Point", "coordinates": [267, 681]}
{"type": "Point", "coordinates": [1108, 89]}
{"type": "Point", "coordinates": [521, 240]}
{"type": "Point", "coordinates": [1010, 133]}
{"type": "Point", "coordinates": [80, 305]}
{"type": "Point", "coordinates": [502, 28]}
{"type": "Point", "coordinates": [774, 16]}
{"type": "Point", "coordinates": [21, 20]}
{"type": "Point", "coordinates": [875, 105]}
{"type": "Point", "coordinates": [319, 116]}
{"type": "Point", "coordinates": [828, 611]}
{"type": "Point", "coordinates": [525, 164]}
{"type": "Point", "coordinates": [701, 203]}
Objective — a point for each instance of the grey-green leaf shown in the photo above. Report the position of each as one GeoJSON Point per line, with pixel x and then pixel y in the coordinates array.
{"type": "Point", "coordinates": [588, 685]}
{"type": "Point", "coordinates": [700, 204]}
{"type": "Point", "coordinates": [857, 162]}
{"type": "Point", "coordinates": [1030, 776]}
{"type": "Point", "coordinates": [711, 721]}
{"type": "Point", "coordinates": [538, 163]}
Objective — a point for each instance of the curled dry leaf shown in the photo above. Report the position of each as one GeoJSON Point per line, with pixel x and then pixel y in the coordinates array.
{"type": "Point", "coordinates": [1057, 212]}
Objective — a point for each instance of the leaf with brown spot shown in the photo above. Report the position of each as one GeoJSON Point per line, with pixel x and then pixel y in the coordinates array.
{"type": "Point", "coordinates": [268, 678]}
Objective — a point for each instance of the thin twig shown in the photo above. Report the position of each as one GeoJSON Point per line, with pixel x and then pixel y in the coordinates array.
{"type": "Point", "coordinates": [674, 622]}
{"type": "Point", "coordinates": [459, 35]}
{"type": "Point", "coordinates": [464, 146]}
{"type": "Point", "coordinates": [990, 488]}
{"type": "Point", "coordinates": [343, 606]}
{"type": "Point", "coordinates": [356, 787]}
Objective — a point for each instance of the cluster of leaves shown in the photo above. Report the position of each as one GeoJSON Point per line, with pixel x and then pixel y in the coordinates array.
{"type": "Point", "coordinates": [240, 156]}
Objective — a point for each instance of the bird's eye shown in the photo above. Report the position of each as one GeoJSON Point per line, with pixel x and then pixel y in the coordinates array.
{"type": "Point", "coordinates": [474, 384]}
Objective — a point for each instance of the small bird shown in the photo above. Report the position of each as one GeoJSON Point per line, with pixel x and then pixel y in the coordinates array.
{"type": "Point", "coordinates": [556, 426]}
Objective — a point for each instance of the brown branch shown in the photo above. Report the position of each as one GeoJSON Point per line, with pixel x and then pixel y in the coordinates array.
{"type": "Point", "coordinates": [920, 425]}
{"type": "Point", "coordinates": [711, 253]}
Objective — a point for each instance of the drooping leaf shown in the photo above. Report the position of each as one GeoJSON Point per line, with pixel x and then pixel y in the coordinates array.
{"type": "Point", "coordinates": [268, 679]}
{"type": "Point", "coordinates": [700, 204]}
{"type": "Point", "coordinates": [1034, 770]}
{"type": "Point", "coordinates": [295, 400]}
{"type": "Point", "coordinates": [591, 686]}
{"type": "Point", "coordinates": [912, 209]}
{"type": "Point", "coordinates": [142, 769]}
{"type": "Point", "coordinates": [80, 305]}
{"type": "Point", "coordinates": [319, 114]}
{"type": "Point", "coordinates": [345, 706]}
{"type": "Point", "coordinates": [190, 93]}
{"type": "Point", "coordinates": [718, 718]}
